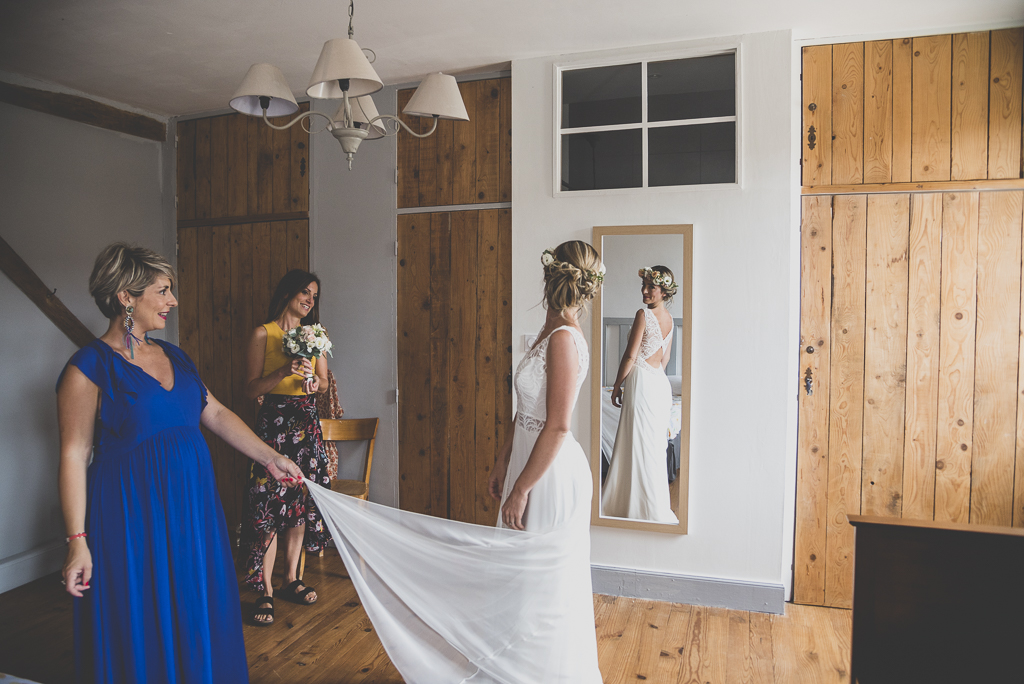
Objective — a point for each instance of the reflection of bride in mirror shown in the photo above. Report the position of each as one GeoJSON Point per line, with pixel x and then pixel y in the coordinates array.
{"type": "Point", "coordinates": [636, 486]}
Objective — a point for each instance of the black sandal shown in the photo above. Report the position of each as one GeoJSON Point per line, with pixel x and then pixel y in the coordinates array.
{"type": "Point", "coordinates": [291, 593]}
{"type": "Point", "coordinates": [264, 609]}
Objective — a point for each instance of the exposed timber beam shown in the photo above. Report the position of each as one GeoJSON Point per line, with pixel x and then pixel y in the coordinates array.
{"type": "Point", "coordinates": [84, 110]}
{"type": "Point", "coordinates": [28, 282]}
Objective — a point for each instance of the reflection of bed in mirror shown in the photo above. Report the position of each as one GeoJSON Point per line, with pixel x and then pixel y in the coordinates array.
{"type": "Point", "coordinates": [616, 332]}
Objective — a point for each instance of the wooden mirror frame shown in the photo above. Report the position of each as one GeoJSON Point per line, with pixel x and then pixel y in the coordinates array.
{"type": "Point", "coordinates": [597, 356]}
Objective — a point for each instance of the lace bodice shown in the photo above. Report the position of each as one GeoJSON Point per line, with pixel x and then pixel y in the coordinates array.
{"type": "Point", "coordinates": [531, 380]}
{"type": "Point", "coordinates": [652, 340]}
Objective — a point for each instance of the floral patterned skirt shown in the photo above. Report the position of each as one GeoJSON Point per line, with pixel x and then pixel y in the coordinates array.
{"type": "Point", "coordinates": [291, 426]}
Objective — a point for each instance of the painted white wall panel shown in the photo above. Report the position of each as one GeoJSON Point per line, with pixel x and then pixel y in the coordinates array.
{"type": "Point", "coordinates": [742, 301]}
{"type": "Point", "coordinates": [67, 190]}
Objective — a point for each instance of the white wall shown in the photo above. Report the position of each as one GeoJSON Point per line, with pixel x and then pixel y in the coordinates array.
{"type": "Point", "coordinates": [67, 190]}
{"type": "Point", "coordinates": [741, 437]}
{"type": "Point", "coordinates": [352, 248]}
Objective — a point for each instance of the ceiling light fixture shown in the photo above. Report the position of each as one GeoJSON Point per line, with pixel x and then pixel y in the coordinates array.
{"type": "Point", "coordinates": [343, 72]}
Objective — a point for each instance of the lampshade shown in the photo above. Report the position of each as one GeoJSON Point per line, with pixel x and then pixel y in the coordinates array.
{"type": "Point", "coordinates": [363, 110]}
{"type": "Point", "coordinates": [342, 58]}
{"type": "Point", "coordinates": [438, 95]}
{"type": "Point", "coordinates": [264, 80]}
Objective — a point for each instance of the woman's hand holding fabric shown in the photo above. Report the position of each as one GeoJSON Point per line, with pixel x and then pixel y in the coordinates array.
{"type": "Point", "coordinates": [514, 508]}
{"type": "Point", "coordinates": [77, 567]}
{"type": "Point", "coordinates": [617, 396]}
{"type": "Point", "coordinates": [285, 471]}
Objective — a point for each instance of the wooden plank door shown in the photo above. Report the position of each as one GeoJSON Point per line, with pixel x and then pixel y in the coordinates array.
{"type": "Point", "coordinates": [911, 224]}
{"type": "Point", "coordinates": [454, 318]}
{"type": "Point", "coordinates": [911, 370]}
{"type": "Point", "coordinates": [454, 359]}
{"type": "Point", "coordinates": [463, 162]}
{"type": "Point", "coordinates": [243, 222]}
{"type": "Point", "coordinates": [930, 109]}
{"type": "Point", "coordinates": [227, 276]}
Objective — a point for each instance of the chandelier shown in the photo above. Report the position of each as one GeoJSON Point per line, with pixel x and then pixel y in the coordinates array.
{"type": "Point", "coordinates": [344, 72]}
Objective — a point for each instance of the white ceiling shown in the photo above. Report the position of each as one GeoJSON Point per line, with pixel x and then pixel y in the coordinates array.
{"type": "Point", "coordinates": [173, 57]}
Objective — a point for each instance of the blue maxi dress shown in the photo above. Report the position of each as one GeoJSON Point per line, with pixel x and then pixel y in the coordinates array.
{"type": "Point", "coordinates": [163, 602]}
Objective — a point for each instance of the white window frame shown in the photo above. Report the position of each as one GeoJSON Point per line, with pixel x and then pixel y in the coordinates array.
{"type": "Point", "coordinates": [644, 125]}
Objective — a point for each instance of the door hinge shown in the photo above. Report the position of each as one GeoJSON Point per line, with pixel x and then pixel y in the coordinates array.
{"type": "Point", "coordinates": [396, 395]}
{"type": "Point", "coordinates": [175, 248]}
{"type": "Point", "coordinates": [396, 175]}
{"type": "Point", "coordinates": [396, 247]}
{"type": "Point", "coordinates": [175, 201]}
{"type": "Point", "coordinates": [175, 141]}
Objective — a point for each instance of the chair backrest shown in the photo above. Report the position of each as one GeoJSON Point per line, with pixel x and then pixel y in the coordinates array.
{"type": "Point", "coordinates": [350, 430]}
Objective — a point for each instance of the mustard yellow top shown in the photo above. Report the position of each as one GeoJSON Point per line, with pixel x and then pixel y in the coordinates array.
{"type": "Point", "coordinates": [274, 358]}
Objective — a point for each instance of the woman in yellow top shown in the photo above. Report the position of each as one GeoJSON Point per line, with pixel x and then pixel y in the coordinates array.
{"type": "Point", "coordinates": [289, 423]}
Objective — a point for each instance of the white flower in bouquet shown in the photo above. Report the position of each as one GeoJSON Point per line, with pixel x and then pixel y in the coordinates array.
{"type": "Point", "coordinates": [307, 342]}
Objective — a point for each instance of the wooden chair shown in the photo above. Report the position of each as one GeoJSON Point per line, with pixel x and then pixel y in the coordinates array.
{"type": "Point", "coordinates": [349, 430]}
{"type": "Point", "coordinates": [352, 430]}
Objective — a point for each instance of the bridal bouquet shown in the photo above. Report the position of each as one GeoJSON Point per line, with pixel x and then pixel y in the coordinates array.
{"type": "Point", "coordinates": [307, 342]}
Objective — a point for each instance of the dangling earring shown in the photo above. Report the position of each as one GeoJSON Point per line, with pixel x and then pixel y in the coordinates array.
{"type": "Point", "coordinates": [129, 326]}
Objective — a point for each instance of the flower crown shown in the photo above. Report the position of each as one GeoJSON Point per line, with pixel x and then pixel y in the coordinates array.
{"type": "Point", "coordinates": [656, 277]}
{"type": "Point", "coordinates": [547, 257]}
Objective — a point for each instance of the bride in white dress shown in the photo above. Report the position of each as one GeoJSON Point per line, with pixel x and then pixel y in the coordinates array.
{"type": "Point", "coordinates": [636, 486]}
{"type": "Point", "coordinates": [513, 604]}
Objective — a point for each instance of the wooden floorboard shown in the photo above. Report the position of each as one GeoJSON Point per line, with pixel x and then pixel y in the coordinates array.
{"type": "Point", "coordinates": [333, 642]}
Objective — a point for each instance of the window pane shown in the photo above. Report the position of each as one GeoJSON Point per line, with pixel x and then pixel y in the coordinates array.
{"type": "Point", "coordinates": [601, 96]}
{"type": "Point", "coordinates": [695, 88]}
{"type": "Point", "coordinates": [598, 161]}
{"type": "Point", "coordinates": [692, 155]}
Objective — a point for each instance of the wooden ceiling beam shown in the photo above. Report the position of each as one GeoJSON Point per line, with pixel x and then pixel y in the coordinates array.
{"type": "Point", "coordinates": [84, 110]}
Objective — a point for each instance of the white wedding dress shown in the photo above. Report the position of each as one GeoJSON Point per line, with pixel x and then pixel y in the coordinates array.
{"type": "Point", "coordinates": [636, 486]}
{"type": "Point", "coordinates": [454, 602]}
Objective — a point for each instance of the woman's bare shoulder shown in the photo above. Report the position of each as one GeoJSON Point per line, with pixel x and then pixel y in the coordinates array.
{"type": "Point", "coordinates": [562, 343]}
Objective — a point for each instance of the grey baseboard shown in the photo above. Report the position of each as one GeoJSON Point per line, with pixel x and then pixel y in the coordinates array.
{"type": "Point", "coordinates": [697, 591]}
{"type": "Point", "coordinates": [31, 565]}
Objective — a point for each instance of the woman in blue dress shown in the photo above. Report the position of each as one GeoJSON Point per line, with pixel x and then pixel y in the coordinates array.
{"type": "Point", "coordinates": [149, 564]}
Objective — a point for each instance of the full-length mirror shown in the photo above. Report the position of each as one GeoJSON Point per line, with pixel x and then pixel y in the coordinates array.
{"type": "Point", "coordinates": [641, 378]}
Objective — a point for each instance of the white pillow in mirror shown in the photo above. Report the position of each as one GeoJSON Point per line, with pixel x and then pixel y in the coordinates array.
{"type": "Point", "coordinates": [676, 381]}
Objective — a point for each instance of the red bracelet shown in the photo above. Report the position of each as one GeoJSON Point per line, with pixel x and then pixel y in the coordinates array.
{"type": "Point", "coordinates": [75, 536]}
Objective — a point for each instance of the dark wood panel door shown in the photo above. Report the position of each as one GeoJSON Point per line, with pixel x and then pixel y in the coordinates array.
{"type": "Point", "coordinates": [243, 222]}
{"type": "Point", "coordinates": [454, 359]}
{"type": "Point", "coordinates": [227, 276]}
{"type": "Point", "coordinates": [236, 166]}
{"type": "Point", "coordinates": [463, 162]}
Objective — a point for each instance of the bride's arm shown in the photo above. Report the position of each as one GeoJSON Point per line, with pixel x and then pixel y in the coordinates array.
{"type": "Point", "coordinates": [636, 335]}
{"type": "Point", "coordinates": [563, 365]}
{"type": "Point", "coordinates": [496, 484]}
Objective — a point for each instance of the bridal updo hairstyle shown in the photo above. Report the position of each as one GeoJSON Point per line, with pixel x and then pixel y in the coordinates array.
{"type": "Point", "coordinates": [669, 291]}
{"type": "Point", "coordinates": [573, 277]}
{"type": "Point", "coordinates": [121, 267]}
{"type": "Point", "coordinates": [294, 282]}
